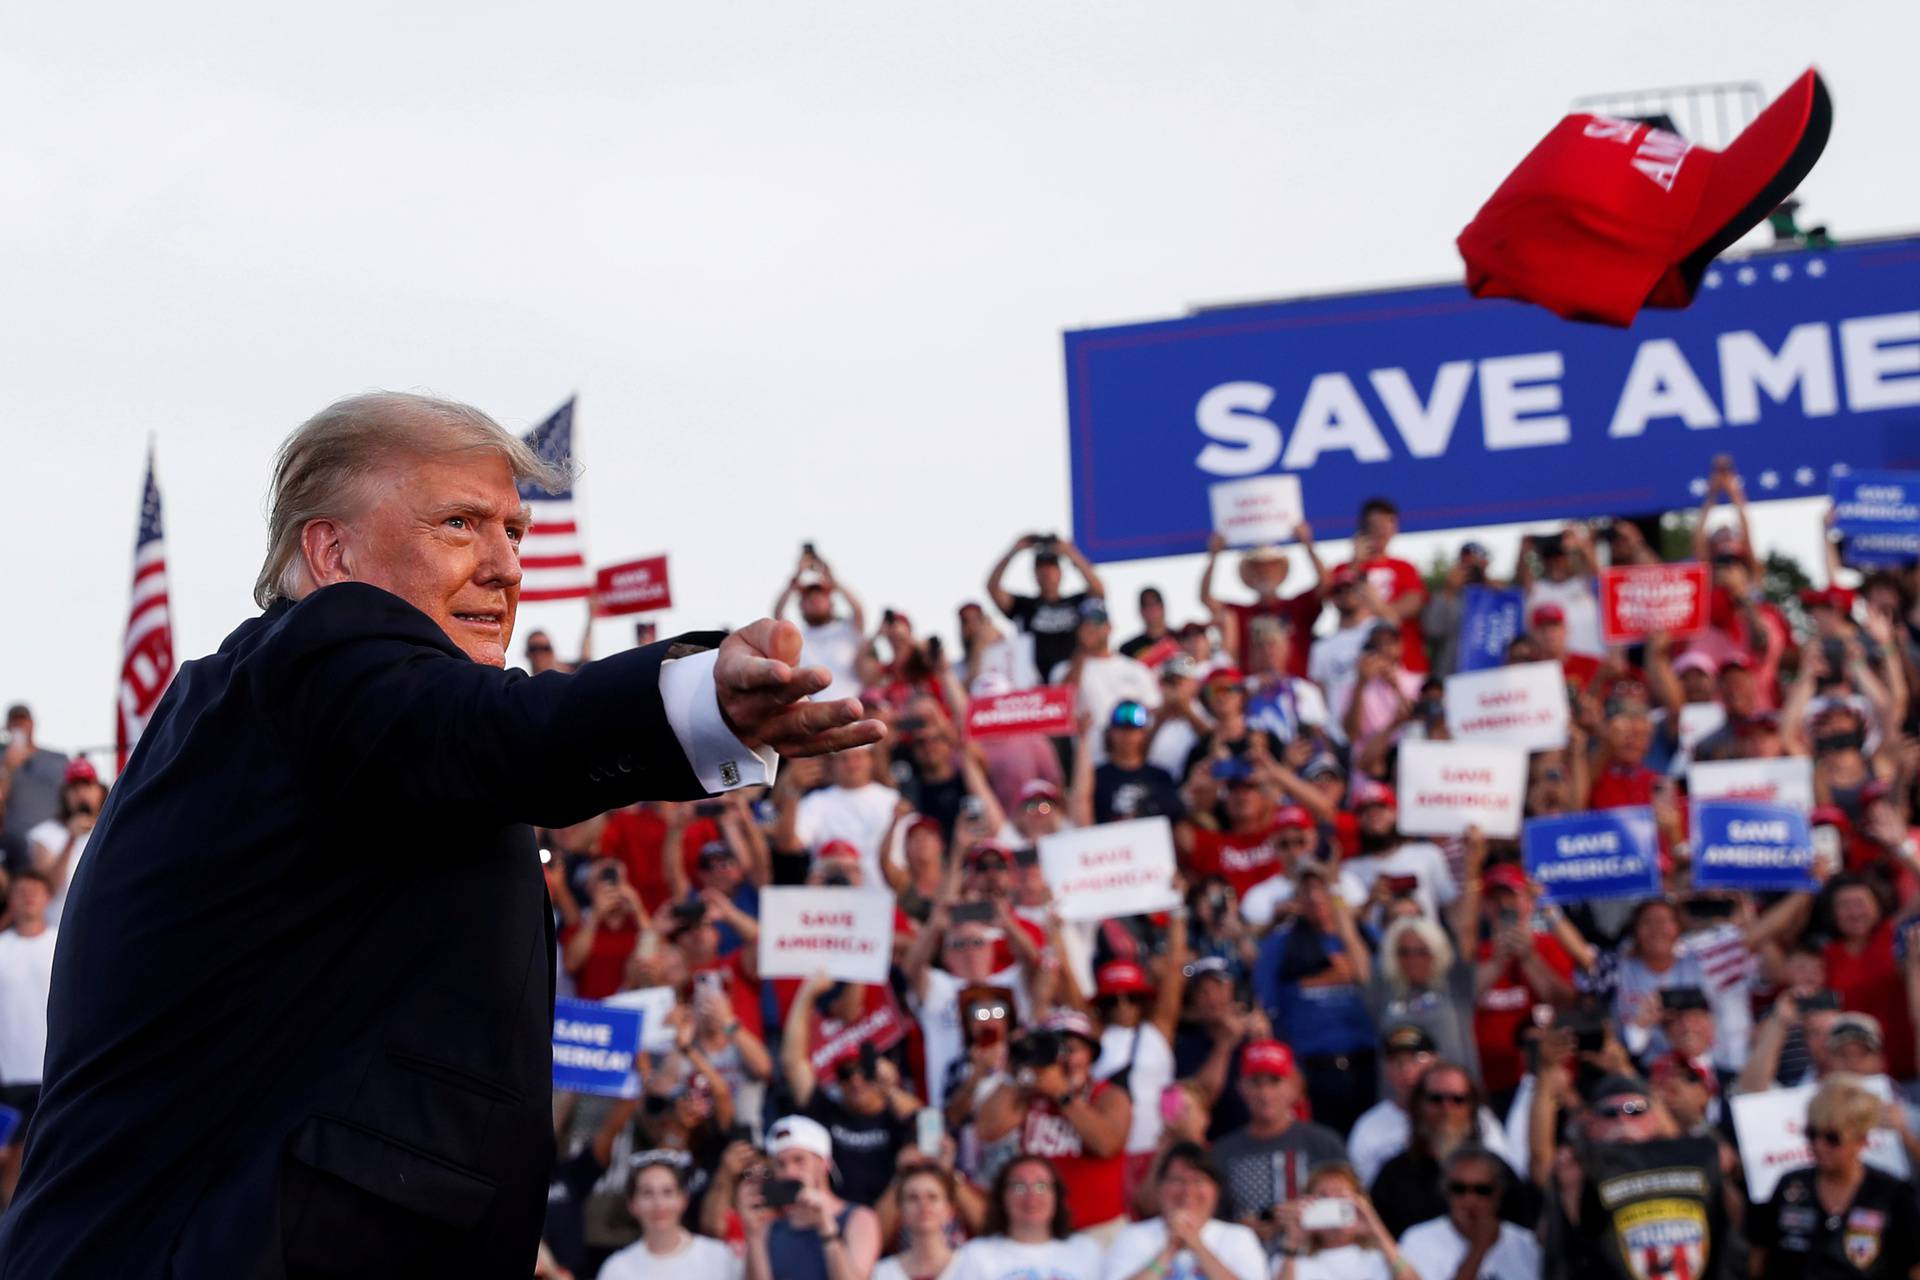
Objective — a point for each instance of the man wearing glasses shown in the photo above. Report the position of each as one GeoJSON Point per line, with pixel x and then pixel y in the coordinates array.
{"type": "Point", "coordinates": [1471, 1241]}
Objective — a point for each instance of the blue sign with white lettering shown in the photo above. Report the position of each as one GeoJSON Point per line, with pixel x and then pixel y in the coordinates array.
{"type": "Point", "coordinates": [1879, 512]}
{"type": "Point", "coordinates": [1607, 853]}
{"type": "Point", "coordinates": [1469, 412]}
{"type": "Point", "coordinates": [1489, 622]}
{"type": "Point", "coordinates": [593, 1046]}
{"type": "Point", "coordinates": [1737, 845]}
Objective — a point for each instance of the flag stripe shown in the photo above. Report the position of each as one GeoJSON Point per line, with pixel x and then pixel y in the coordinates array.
{"type": "Point", "coordinates": [552, 556]}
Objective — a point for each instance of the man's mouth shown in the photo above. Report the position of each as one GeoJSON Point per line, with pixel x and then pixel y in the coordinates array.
{"type": "Point", "coordinates": [486, 618]}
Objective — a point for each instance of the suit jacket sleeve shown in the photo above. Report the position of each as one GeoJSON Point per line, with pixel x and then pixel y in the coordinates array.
{"type": "Point", "coordinates": [367, 694]}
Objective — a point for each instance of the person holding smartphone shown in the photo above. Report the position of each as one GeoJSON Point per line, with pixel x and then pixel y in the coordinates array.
{"type": "Point", "coordinates": [1333, 1233]}
{"type": "Point", "coordinates": [797, 1228]}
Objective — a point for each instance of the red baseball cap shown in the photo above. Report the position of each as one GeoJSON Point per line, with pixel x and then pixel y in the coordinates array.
{"type": "Point", "coordinates": [1505, 875]}
{"type": "Point", "coordinates": [1121, 978]}
{"type": "Point", "coordinates": [1547, 614]}
{"type": "Point", "coordinates": [1266, 1058]}
{"type": "Point", "coordinates": [837, 849]}
{"type": "Point", "coordinates": [80, 769]}
{"type": "Point", "coordinates": [1293, 817]}
{"type": "Point", "coordinates": [1605, 216]}
{"type": "Point", "coordinates": [1367, 792]}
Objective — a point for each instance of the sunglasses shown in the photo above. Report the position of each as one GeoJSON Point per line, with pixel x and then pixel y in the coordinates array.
{"type": "Point", "coordinates": [1447, 1099]}
{"type": "Point", "coordinates": [1483, 1189]}
{"type": "Point", "coordinates": [539, 648]}
{"type": "Point", "coordinates": [1030, 1188]}
{"type": "Point", "coordinates": [1623, 1110]}
{"type": "Point", "coordinates": [1406, 952]}
{"type": "Point", "coordinates": [965, 944]}
{"type": "Point", "coordinates": [1832, 1137]}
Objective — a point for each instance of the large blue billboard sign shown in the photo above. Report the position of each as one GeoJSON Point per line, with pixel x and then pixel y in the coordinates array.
{"type": "Point", "coordinates": [1470, 412]}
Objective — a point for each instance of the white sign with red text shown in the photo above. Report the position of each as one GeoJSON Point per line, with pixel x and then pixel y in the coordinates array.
{"type": "Point", "coordinates": [808, 928]}
{"type": "Point", "coordinates": [1772, 1128]}
{"type": "Point", "coordinates": [1521, 706]}
{"type": "Point", "coordinates": [1786, 781]}
{"type": "Point", "coordinates": [1112, 870]}
{"type": "Point", "coordinates": [1256, 510]}
{"type": "Point", "coordinates": [1446, 787]}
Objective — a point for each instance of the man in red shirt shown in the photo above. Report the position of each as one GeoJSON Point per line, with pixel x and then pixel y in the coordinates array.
{"type": "Point", "coordinates": [637, 837]}
{"type": "Point", "coordinates": [1861, 967]}
{"type": "Point", "coordinates": [1547, 624]}
{"type": "Point", "coordinates": [1252, 848]}
{"type": "Point", "coordinates": [1264, 571]}
{"type": "Point", "coordinates": [1519, 966]}
{"type": "Point", "coordinates": [1395, 581]}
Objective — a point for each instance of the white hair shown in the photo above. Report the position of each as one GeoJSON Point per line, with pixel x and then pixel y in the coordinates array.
{"type": "Point", "coordinates": [322, 470]}
{"type": "Point", "coordinates": [1428, 932]}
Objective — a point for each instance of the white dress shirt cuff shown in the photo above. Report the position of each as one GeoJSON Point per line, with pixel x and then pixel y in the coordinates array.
{"type": "Point", "coordinates": [720, 761]}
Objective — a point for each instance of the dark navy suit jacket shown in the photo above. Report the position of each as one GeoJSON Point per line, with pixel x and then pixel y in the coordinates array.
{"type": "Point", "coordinates": [301, 1011]}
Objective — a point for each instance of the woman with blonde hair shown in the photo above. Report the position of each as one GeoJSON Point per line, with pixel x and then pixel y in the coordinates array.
{"type": "Point", "coordinates": [1420, 979]}
{"type": "Point", "coordinates": [1355, 1245]}
{"type": "Point", "coordinates": [1840, 1217]}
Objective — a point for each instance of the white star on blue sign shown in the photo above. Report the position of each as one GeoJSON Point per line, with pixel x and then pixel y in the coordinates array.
{"type": "Point", "coordinates": [1746, 275]}
{"type": "Point", "coordinates": [1769, 479]}
{"type": "Point", "coordinates": [1817, 267]}
{"type": "Point", "coordinates": [1782, 271]}
{"type": "Point", "coordinates": [1803, 477]}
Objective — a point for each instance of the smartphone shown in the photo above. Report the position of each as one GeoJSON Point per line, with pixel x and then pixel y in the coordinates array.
{"type": "Point", "coordinates": [1026, 857]}
{"type": "Point", "coordinates": [929, 1132]}
{"type": "Point", "coordinates": [609, 875]}
{"type": "Point", "coordinates": [1325, 1214]}
{"type": "Point", "coordinates": [1820, 1001]}
{"type": "Point", "coordinates": [869, 1060]}
{"type": "Point", "coordinates": [712, 980]}
{"type": "Point", "coordinates": [806, 549]}
{"type": "Point", "coordinates": [781, 1192]}
{"type": "Point", "coordinates": [1712, 908]}
{"type": "Point", "coordinates": [1401, 886]}
{"type": "Point", "coordinates": [740, 1133]}
{"type": "Point", "coordinates": [1173, 1104]}
{"type": "Point", "coordinates": [971, 912]}
{"type": "Point", "coordinates": [708, 808]}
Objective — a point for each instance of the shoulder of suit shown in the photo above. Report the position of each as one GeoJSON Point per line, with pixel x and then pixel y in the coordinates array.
{"type": "Point", "coordinates": [348, 611]}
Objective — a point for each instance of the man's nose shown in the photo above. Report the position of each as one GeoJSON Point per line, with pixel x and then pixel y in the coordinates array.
{"type": "Point", "coordinates": [499, 559]}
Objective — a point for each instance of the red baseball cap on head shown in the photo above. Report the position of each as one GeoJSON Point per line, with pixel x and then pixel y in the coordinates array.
{"type": "Point", "coordinates": [1368, 792]}
{"type": "Point", "coordinates": [1266, 1058]}
{"type": "Point", "coordinates": [1292, 817]}
{"type": "Point", "coordinates": [837, 849]}
{"type": "Point", "coordinates": [1121, 978]}
{"type": "Point", "coordinates": [1546, 615]}
{"type": "Point", "coordinates": [1605, 216]}
{"type": "Point", "coordinates": [80, 769]}
{"type": "Point", "coordinates": [1505, 875]}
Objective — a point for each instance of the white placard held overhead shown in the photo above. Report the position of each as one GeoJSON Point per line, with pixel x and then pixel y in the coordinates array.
{"type": "Point", "coordinates": [1256, 510]}
{"type": "Point", "coordinates": [1785, 781]}
{"type": "Point", "coordinates": [1521, 706]}
{"type": "Point", "coordinates": [1446, 787]}
{"type": "Point", "coordinates": [1111, 870]}
{"type": "Point", "coordinates": [847, 932]}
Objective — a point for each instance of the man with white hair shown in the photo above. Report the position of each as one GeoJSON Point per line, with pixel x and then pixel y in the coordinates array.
{"type": "Point", "coordinates": [301, 1010]}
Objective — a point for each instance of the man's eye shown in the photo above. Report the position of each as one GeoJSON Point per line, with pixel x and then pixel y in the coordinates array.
{"type": "Point", "coordinates": [516, 535]}
{"type": "Point", "coordinates": [457, 522]}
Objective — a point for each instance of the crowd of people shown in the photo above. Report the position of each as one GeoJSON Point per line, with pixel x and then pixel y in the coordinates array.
{"type": "Point", "coordinates": [1349, 1054]}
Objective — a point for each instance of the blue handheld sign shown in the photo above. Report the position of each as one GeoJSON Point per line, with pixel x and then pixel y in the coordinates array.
{"type": "Point", "coordinates": [593, 1046]}
{"type": "Point", "coordinates": [1879, 512]}
{"type": "Point", "coordinates": [1608, 853]}
{"type": "Point", "coordinates": [9, 1124]}
{"type": "Point", "coordinates": [1737, 845]}
{"type": "Point", "coordinates": [1490, 620]}
{"type": "Point", "coordinates": [1474, 412]}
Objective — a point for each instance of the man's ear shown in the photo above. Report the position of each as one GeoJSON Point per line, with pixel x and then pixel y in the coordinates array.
{"type": "Point", "coordinates": [323, 551]}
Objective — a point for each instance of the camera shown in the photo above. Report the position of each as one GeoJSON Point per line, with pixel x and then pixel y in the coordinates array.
{"type": "Point", "coordinates": [781, 1192]}
{"type": "Point", "coordinates": [1323, 1213]}
{"type": "Point", "coordinates": [1036, 1049]}
{"type": "Point", "coordinates": [837, 879]}
{"type": "Point", "coordinates": [690, 913]}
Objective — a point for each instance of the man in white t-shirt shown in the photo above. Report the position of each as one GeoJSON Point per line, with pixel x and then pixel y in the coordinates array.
{"type": "Point", "coordinates": [1384, 853]}
{"type": "Point", "coordinates": [1334, 661]}
{"type": "Point", "coordinates": [56, 844]}
{"type": "Point", "coordinates": [1568, 582]}
{"type": "Point", "coordinates": [1384, 1129]}
{"type": "Point", "coordinates": [965, 952]}
{"type": "Point", "coordinates": [854, 808]}
{"type": "Point", "coordinates": [1471, 1230]}
{"type": "Point", "coordinates": [826, 639]}
{"type": "Point", "coordinates": [26, 975]}
{"type": "Point", "coordinates": [1103, 679]}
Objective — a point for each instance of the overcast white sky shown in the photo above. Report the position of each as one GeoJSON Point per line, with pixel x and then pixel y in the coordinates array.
{"type": "Point", "coordinates": [806, 265]}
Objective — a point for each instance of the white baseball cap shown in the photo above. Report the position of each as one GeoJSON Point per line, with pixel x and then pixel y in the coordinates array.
{"type": "Point", "coordinates": [799, 1133]}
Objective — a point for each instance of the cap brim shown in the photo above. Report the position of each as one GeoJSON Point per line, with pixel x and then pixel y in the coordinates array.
{"type": "Point", "coordinates": [1758, 170]}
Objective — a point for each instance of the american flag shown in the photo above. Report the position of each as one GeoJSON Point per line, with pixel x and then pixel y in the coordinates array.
{"type": "Point", "coordinates": [146, 664]}
{"type": "Point", "coordinates": [551, 564]}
